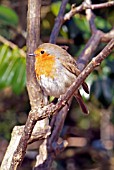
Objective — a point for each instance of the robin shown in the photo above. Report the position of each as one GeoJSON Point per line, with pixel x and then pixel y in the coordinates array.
{"type": "Point", "coordinates": [56, 70]}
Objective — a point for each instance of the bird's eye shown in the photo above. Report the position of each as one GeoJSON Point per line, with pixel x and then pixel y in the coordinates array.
{"type": "Point", "coordinates": [42, 52]}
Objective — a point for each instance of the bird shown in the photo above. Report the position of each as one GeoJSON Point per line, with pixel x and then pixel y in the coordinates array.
{"type": "Point", "coordinates": [56, 70]}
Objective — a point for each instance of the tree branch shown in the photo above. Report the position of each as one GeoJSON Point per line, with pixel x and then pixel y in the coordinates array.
{"type": "Point", "coordinates": [93, 42]}
{"type": "Point", "coordinates": [106, 37]}
{"type": "Point", "coordinates": [58, 23]}
{"type": "Point", "coordinates": [90, 17]}
{"type": "Point", "coordinates": [74, 10]}
{"type": "Point", "coordinates": [33, 39]}
{"type": "Point", "coordinates": [35, 94]}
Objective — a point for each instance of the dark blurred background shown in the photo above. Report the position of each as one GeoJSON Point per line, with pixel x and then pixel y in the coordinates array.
{"type": "Point", "coordinates": [90, 137]}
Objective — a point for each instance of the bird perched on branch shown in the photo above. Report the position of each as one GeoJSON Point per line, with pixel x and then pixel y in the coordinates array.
{"type": "Point", "coordinates": [56, 70]}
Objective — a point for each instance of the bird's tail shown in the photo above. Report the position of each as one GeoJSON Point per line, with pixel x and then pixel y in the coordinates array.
{"type": "Point", "coordinates": [79, 99]}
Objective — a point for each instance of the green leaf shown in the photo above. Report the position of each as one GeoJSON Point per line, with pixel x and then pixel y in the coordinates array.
{"type": "Point", "coordinates": [102, 23]}
{"type": "Point", "coordinates": [102, 89]}
{"type": "Point", "coordinates": [13, 69]}
{"type": "Point", "coordinates": [4, 50]}
{"type": "Point", "coordinates": [8, 16]}
{"type": "Point", "coordinates": [18, 80]}
{"type": "Point", "coordinates": [82, 23]}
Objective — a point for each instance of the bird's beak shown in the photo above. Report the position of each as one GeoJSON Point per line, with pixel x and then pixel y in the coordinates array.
{"type": "Point", "coordinates": [32, 54]}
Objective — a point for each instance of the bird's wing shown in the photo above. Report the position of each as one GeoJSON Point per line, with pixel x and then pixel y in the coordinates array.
{"type": "Point", "coordinates": [70, 64]}
{"type": "Point", "coordinates": [71, 67]}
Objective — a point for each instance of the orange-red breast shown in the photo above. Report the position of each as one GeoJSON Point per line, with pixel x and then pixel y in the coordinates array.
{"type": "Point", "coordinates": [56, 70]}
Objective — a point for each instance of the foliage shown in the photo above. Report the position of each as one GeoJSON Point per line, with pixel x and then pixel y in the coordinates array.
{"type": "Point", "coordinates": [12, 72]}
{"type": "Point", "coordinates": [8, 19]}
{"type": "Point", "coordinates": [103, 84]}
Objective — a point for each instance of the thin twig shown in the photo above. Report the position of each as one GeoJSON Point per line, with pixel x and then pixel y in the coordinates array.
{"type": "Point", "coordinates": [93, 42]}
{"type": "Point", "coordinates": [85, 6]}
{"type": "Point", "coordinates": [90, 17]}
{"type": "Point", "coordinates": [58, 23]}
{"type": "Point", "coordinates": [106, 37]}
{"type": "Point", "coordinates": [97, 37]}
{"type": "Point", "coordinates": [102, 5]}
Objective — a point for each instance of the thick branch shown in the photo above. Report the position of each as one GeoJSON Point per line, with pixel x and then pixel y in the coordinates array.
{"type": "Point", "coordinates": [33, 39]}
{"type": "Point", "coordinates": [35, 94]}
